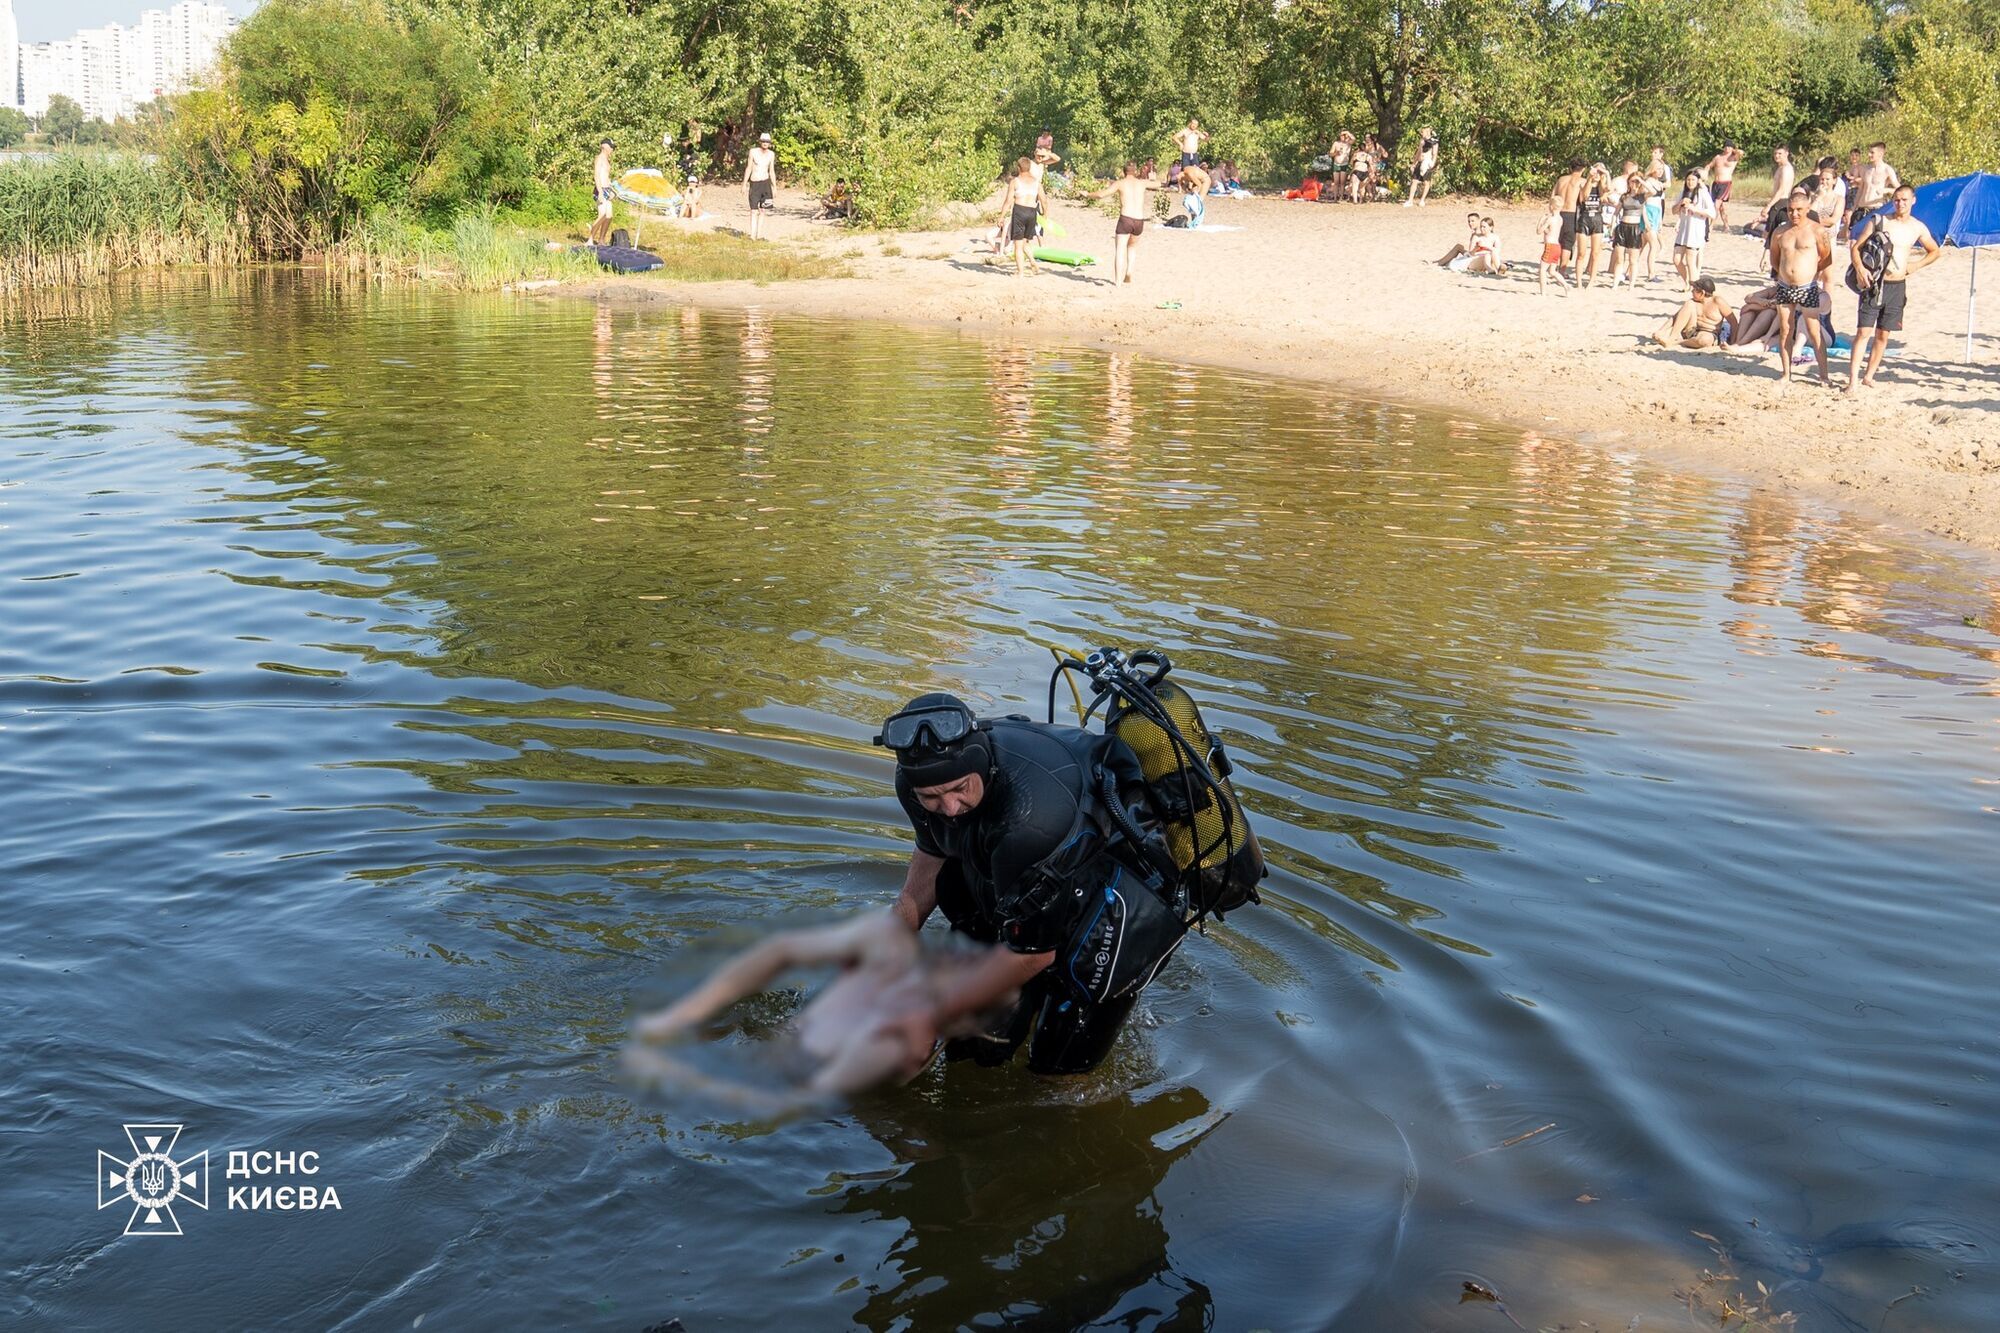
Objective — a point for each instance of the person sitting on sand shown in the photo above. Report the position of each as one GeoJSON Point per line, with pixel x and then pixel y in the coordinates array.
{"type": "Point", "coordinates": [839, 201]}
{"type": "Point", "coordinates": [1756, 322]}
{"type": "Point", "coordinates": [1465, 246]}
{"type": "Point", "coordinates": [1485, 256]}
{"type": "Point", "coordinates": [1147, 168]}
{"type": "Point", "coordinates": [1308, 190]}
{"type": "Point", "coordinates": [879, 1020]}
{"type": "Point", "coordinates": [1702, 322]}
{"type": "Point", "coordinates": [691, 197]}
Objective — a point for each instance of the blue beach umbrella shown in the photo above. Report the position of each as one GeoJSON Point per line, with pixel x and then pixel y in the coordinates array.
{"type": "Point", "coordinates": [1963, 211]}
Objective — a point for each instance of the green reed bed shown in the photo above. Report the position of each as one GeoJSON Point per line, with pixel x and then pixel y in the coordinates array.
{"type": "Point", "coordinates": [80, 217]}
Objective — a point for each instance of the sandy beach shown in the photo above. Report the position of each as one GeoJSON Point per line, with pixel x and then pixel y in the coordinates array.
{"type": "Point", "coordinates": [1345, 295]}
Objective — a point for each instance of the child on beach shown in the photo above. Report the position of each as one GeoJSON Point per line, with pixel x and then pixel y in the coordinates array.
{"type": "Point", "coordinates": [691, 197]}
{"type": "Point", "coordinates": [1552, 251]}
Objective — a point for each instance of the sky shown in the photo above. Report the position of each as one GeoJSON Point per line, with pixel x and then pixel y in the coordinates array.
{"type": "Point", "coordinates": [52, 20]}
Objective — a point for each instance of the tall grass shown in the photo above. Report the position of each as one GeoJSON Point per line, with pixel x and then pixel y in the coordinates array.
{"type": "Point", "coordinates": [80, 217]}
{"type": "Point", "coordinates": [477, 252]}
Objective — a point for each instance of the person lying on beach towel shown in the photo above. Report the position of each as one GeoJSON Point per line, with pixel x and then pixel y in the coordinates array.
{"type": "Point", "coordinates": [1308, 190]}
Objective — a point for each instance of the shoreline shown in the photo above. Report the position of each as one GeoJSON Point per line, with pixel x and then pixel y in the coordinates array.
{"type": "Point", "coordinates": [1343, 296]}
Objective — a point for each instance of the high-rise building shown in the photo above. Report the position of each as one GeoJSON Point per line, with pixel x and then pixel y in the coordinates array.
{"type": "Point", "coordinates": [10, 56]}
{"type": "Point", "coordinates": [112, 71]}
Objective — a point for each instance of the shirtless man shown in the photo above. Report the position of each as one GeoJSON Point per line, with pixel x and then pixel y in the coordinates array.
{"type": "Point", "coordinates": [1801, 257]}
{"type": "Point", "coordinates": [1783, 177]}
{"type": "Point", "coordinates": [600, 226]}
{"type": "Point", "coordinates": [1702, 321]}
{"type": "Point", "coordinates": [1132, 215]}
{"type": "Point", "coordinates": [1883, 303]}
{"type": "Point", "coordinates": [1878, 179]}
{"type": "Point", "coordinates": [1194, 183]}
{"type": "Point", "coordinates": [1721, 175]}
{"type": "Point", "coordinates": [759, 174]}
{"type": "Point", "coordinates": [1023, 201]}
{"type": "Point", "coordinates": [1568, 194]}
{"type": "Point", "coordinates": [1189, 141]}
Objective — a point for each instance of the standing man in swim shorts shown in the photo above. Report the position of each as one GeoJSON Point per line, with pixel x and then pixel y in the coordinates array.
{"type": "Point", "coordinates": [1568, 194]}
{"type": "Point", "coordinates": [1783, 177]}
{"type": "Point", "coordinates": [1721, 176]}
{"type": "Point", "coordinates": [1883, 303]}
{"type": "Point", "coordinates": [1878, 179]}
{"type": "Point", "coordinates": [1423, 168]}
{"type": "Point", "coordinates": [1801, 258]}
{"type": "Point", "coordinates": [759, 174]}
{"type": "Point", "coordinates": [1189, 141]}
{"type": "Point", "coordinates": [600, 226]}
{"type": "Point", "coordinates": [1132, 214]}
{"type": "Point", "coordinates": [1023, 198]}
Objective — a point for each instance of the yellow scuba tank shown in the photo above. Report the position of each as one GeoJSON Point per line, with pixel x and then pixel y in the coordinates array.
{"type": "Point", "coordinates": [1187, 772]}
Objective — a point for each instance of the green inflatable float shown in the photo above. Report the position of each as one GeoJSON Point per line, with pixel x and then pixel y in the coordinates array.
{"type": "Point", "coordinates": [1073, 258]}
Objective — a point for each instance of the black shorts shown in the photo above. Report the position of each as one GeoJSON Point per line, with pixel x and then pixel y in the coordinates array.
{"type": "Point", "coordinates": [1630, 235]}
{"type": "Point", "coordinates": [1721, 192]}
{"type": "Point", "coordinates": [760, 194]}
{"type": "Point", "coordinates": [1568, 237]}
{"type": "Point", "coordinates": [1190, 159]}
{"type": "Point", "coordinates": [1129, 226]}
{"type": "Point", "coordinates": [1590, 221]}
{"type": "Point", "coordinates": [1021, 226]}
{"type": "Point", "coordinates": [1422, 173]}
{"type": "Point", "coordinates": [1882, 306]}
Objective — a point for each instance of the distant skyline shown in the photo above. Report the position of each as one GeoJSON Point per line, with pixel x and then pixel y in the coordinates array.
{"type": "Point", "coordinates": [55, 20]}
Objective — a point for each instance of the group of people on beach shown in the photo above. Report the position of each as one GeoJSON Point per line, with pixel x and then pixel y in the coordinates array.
{"type": "Point", "coordinates": [1025, 199]}
{"type": "Point", "coordinates": [760, 176]}
{"type": "Point", "coordinates": [1605, 228]}
{"type": "Point", "coordinates": [1358, 172]}
{"type": "Point", "coordinates": [1883, 252]}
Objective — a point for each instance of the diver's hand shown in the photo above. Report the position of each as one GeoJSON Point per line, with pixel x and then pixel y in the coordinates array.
{"type": "Point", "coordinates": [919, 1034]}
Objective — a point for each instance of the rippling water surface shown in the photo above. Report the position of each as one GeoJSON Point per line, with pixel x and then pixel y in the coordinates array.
{"type": "Point", "coordinates": [390, 686]}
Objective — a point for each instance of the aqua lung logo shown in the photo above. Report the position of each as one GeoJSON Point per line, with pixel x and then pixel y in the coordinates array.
{"type": "Point", "coordinates": [152, 1181]}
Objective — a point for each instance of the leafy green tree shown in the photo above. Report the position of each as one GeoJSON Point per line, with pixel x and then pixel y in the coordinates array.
{"type": "Point", "coordinates": [14, 127]}
{"type": "Point", "coordinates": [63, 120]}
{"type": "Point", "coordinates": [326, 109]}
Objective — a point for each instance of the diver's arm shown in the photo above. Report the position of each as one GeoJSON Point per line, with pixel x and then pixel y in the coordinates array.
{"type": "Point", "coordinates": [919, 896]}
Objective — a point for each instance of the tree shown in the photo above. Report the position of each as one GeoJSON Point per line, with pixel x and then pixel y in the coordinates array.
{"type": "Point", "coordinates": [63, 120]}
{"type": "Point", "coordinates": [13, 127]}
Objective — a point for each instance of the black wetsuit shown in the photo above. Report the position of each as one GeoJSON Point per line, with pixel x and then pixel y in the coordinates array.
{"type": "Point", "coordinates": [1026, 867]}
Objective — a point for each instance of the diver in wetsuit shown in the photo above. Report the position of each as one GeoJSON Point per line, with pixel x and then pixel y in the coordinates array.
{"type": "Point", "coordinates": [1019, 843]}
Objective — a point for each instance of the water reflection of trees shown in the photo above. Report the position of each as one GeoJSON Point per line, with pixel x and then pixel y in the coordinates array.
{"type": "Point", "coordinates": [779, 527]}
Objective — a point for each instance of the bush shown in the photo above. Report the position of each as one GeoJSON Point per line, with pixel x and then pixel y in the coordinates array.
{"type": "Point", "coordinates": [326, 110]}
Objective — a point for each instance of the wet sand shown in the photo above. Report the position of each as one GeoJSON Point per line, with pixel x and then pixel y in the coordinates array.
{"type": "Point", "coordinates": [1346, 295]}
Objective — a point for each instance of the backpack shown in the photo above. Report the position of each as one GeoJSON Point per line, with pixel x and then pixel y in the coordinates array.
{"type": "Point", "coordinates": [1872, 257]}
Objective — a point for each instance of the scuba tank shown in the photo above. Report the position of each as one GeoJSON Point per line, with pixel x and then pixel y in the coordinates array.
{"type": "Point", "coordinates": [1213, 851]}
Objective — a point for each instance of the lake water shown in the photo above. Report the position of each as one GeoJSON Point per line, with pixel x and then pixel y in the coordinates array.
{"type": "Point", "coordinates": [393, 685]}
